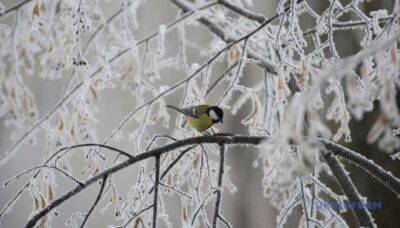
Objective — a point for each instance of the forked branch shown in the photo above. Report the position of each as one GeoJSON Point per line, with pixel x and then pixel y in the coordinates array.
{"type": "Point", "coordinates": [355, 158]}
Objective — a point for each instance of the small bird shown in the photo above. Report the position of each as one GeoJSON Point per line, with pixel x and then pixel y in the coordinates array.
{"type": "Point", "coordinates": [201, 117]}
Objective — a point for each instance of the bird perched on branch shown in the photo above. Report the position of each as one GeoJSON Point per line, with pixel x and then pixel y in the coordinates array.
{"type": "Point", "coordinates": [201, 117]}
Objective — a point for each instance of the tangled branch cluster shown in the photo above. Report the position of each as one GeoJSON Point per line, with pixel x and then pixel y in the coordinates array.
{"type": "Point", "coordinates": [305, 85]}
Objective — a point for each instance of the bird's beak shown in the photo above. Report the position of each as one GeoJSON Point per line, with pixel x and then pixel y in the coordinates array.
{"type": "Point", "coordinates": [221, 121]}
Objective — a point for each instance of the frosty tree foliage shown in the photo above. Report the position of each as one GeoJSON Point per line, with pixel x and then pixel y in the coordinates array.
{"type": "Point", "coordinates": [306, 85]}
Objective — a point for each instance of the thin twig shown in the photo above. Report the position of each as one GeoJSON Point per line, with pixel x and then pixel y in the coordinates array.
{"type": "Point", "coordinates": [156, 185]}
{"type": "Point", "coordinates": [220, 178]}
{"type": "Point", "coordinates": [13, 8]}
{"type": "Point", "coordinates": [136, 215]}
{"type": "Point", "coordinates": [362, 214]}
{"type": "Point", "coordinates": [103, 184]}
{"type": "Point", "coordinates": [227, 71]}
{"type": "Point", "coordinates": [170, 166]}
{"type": "Point", "coordinates": [180, 192]}
{"type": "Point", "coordinates": [304, 203]}
{"type": "Point", "coordinates": [380, 174]}
{"type": "Point", "coordinates": [43, 167]}
{"type": "Point", "coordinates": [245, 13]}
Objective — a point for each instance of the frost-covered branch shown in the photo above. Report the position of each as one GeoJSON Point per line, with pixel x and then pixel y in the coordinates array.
{"type": "Point", "coordinates": [99, 195]}
{"type": "Point", "coordinates": [246, 13]}
{"type": "Point", "coordinates": [14, 8]}
{"type": "Point", "coordinates": [218, 191]}
{"type": "Point", "coordinates": [376, 171]}
{"type": "Point", "coordinates": [230, 40]}
{"type": "Point", "coordinates": [347, 185]}
{"type": "Point", "coordinates": [153, 153]}
{"type": "Point", "coordinates": [156, 186]}
{"type": "Point", "coordinates": [221, 140]}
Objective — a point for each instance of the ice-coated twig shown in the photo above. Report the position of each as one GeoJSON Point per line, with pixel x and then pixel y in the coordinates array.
{"type": "Point", "coordinates": [42, 167]}
{"type": "Point", "coordinates": [362, 214]}
{"type": "Point", "coordinates": [245, 13]}
{"type": "Point", "coordinates": [180, 192]}
{"type": "Point", "coordinates": [15, 7]}
{"type": "Point", "coordinates": [99, 195]}
{"type": "Point", "coordinates": [156, 186]}
{"type": "Point", "coordinates": [172, 164]}
{"type": "Point", "coordinates": [304, 203]}
{"type": "Point", "coordinates": [380, 174]}
{"type": "Point", "coordinates": [135, 216]}
{"type": "Point", "coordinates": [219, 184]}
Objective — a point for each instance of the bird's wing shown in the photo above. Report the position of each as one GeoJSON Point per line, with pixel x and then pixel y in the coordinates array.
{"type": "Point", "coordinates": [193, 111]}
{"type": "Point", "coordinates": [185, 111]}
{"type": "Point", "coordinates": [196, 111]}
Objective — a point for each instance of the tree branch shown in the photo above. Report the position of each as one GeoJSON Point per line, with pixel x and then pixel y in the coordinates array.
{"type": "Point", "coordinates": [347, 185]}
{"type": "Point", "coordinates": [13, 8]}
{"type": "Point", "coordinates": [206, 139]}
{"type": "Point", "coordinates": [103, 184]}
{"type": "Point", "coordinates": [173, 163]}
{"type": "Point", "coordinates": [380, 174]}
{"type": "Point", "coordinates": [220, 177]}
{"type": "Point", "coordinates": [156, 185]}
{"type": "Point", "coordinates": [230, 40]}
{"type": "Point", "coordinates": [245, 13]}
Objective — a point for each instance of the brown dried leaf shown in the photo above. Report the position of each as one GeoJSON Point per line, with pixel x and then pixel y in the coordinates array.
{"type": "Point", "coordinates": [304, 73]}
{"type": "Point", "coordinates": [36, 9]}
{"type": "Point", "coordinates": [194, 92]}
{"type": "Point", "coordinates": [93, 90]}
{"type": "Point", "coordinates": [138, 221]}
{"type": "Point", "coordinates": [42, 202]}
{"type": "Point", "coordinates": [252, 116]}
{"type": "Point", "coordinates": [185, 213]}
{"type": "Point", "coordinates": [196, 160]}
{"type": "Point", "coordinates": [43, 222]}
{"type": "Point", "coordinates": [281, 84]}
{"type": "Point", "coordinates": [169, 180]}
{"type": "Point", "coordinates": [234, 54]}
{"type": "Point", "coordinates": [266, 162]}
{"type": "Point", "coordinates": [50, 193]}
{"type": "Point", "coordinates": [37, 206]}
{"type": "Point", "coordinates": [61, 125]}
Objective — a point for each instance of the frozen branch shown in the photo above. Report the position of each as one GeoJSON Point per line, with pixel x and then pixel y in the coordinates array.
{"type": "Point", "coordinates": [347, 185]}
{"type": "Point", "coordinates": [380, 174]}
{"type": "Point", "coordinates": [156, 186]}
{"type": "Point", "coordinates": [103, 184]}
{"type": "Point", "coordinates": [216, 139]}
{"type": "Point", "coordinates": [230, 40]}
{"type": "Point", "coordinates": [13, 8]}
{"type": "Point", "coordinates": [245, 13]}
{"type": "Point", "coordinates": [42, 167]}
{"type": "Point", "coordinates": [135, 215]}
{"type": "Point", "coordinates": [219, 189]}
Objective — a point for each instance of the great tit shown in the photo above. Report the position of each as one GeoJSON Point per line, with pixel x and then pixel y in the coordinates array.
{"type": "Point", "coordinates": [201, 117]}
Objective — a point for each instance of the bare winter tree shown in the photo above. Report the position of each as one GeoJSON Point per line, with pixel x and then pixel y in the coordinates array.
{"type": "Point", "coordinates": [298, 107]}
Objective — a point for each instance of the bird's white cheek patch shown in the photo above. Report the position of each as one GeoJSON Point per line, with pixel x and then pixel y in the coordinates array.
{"type": "Point", "coordinates": [213, 115]}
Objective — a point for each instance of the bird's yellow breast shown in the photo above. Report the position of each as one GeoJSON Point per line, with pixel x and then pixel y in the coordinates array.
{"type": "Point", "coordinates": [202, 123]}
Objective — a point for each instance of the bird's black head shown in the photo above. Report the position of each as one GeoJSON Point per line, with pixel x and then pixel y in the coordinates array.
{"type": "Point", "coordinates": [216, 114]}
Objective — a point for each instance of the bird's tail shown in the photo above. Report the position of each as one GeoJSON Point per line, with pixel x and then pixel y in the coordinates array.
{"type": "Point", "coordinates": [176, 109]}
